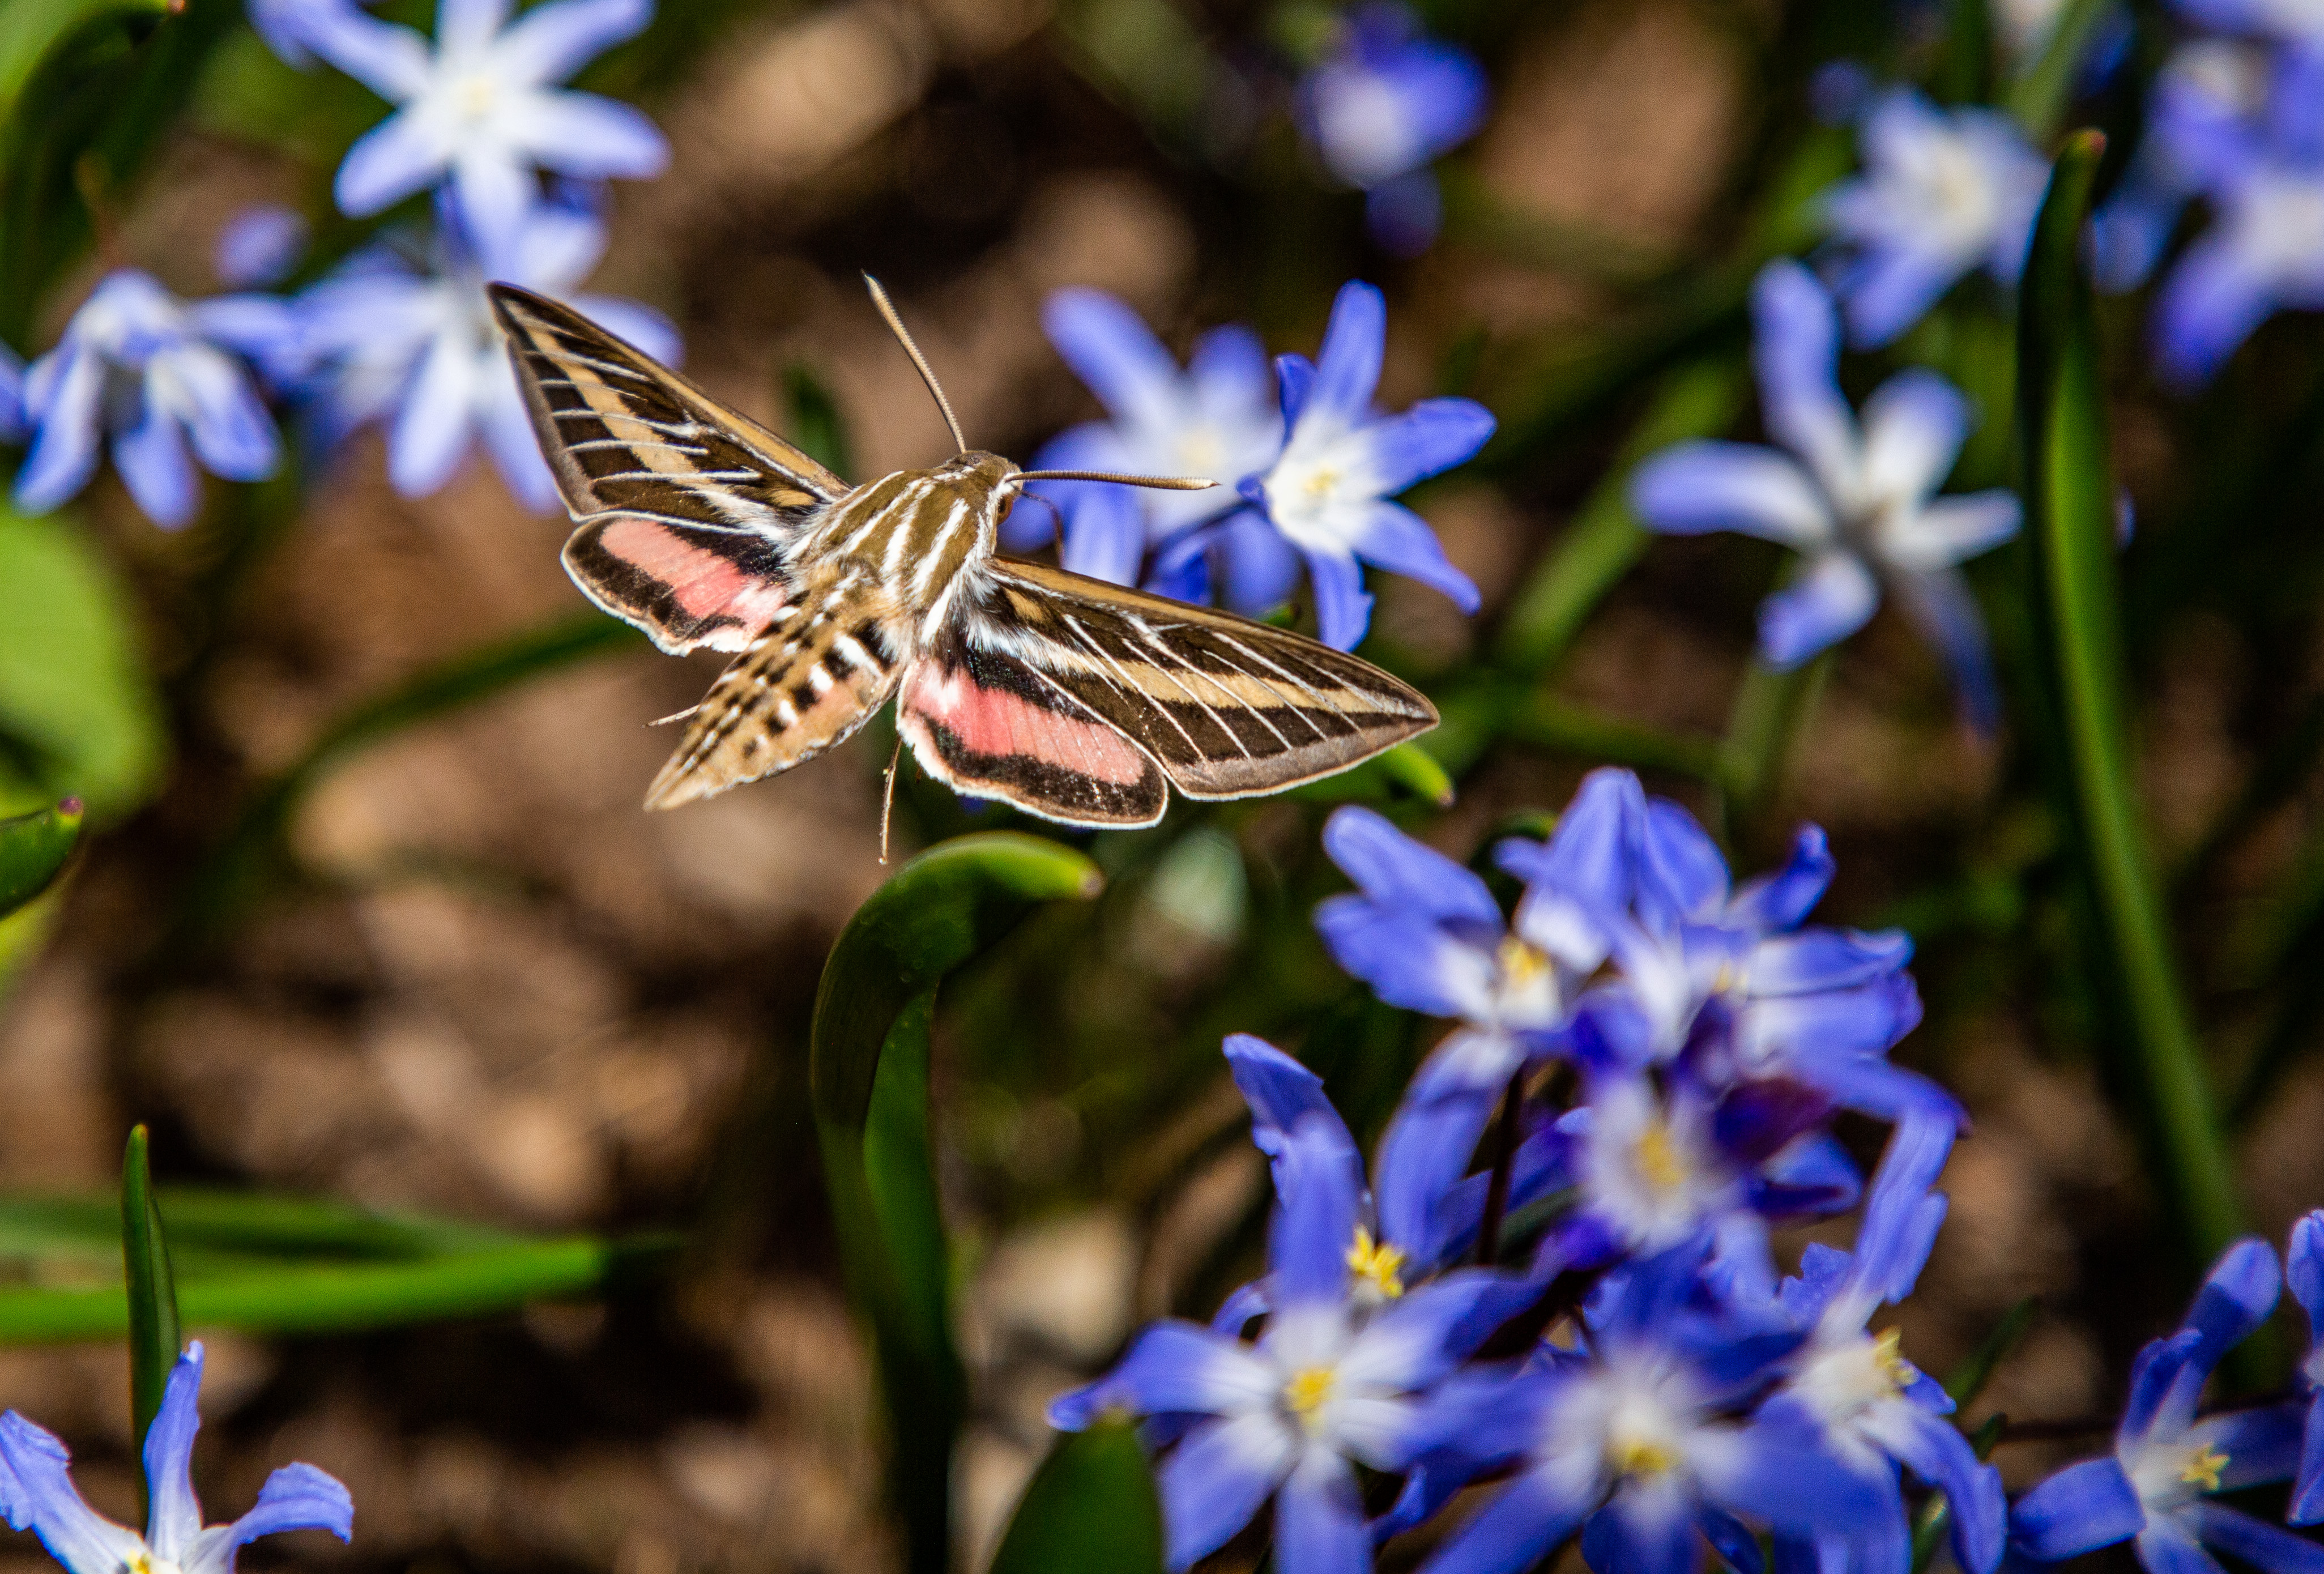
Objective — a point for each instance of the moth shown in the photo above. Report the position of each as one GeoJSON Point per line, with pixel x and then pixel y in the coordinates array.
{"type": "Point", "coordinates": [1076, 700]}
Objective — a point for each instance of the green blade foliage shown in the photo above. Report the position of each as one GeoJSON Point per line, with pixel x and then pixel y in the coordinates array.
{"type": "Point", "coordinates": [867, 1075]}
{"type": "Point", "coordinates": [207, 1224]}
{"type": "Point", "coordinates": [1091, 1506]}
{"type": "Point", "coordinates": [154, 1336]}
{"type": "Point", "coordinates": [332, 1298]}
{"type": "Point", "coordinates": [34, 849]}
{"type": "Point", "coordinates": [2070, 529]}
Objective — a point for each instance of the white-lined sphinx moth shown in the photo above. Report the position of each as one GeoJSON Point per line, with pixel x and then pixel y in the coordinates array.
{"type": "Point", "coordinates": [1072, 699]}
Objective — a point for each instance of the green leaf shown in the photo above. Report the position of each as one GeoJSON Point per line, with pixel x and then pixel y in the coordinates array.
{"type": "Point", "coordinates": [251, 854]}
{"type": "Point", "coordinates": [1770, 708]}
{"type": "Point", "coordinates": [207, 1224]}
{"type": "Point", "coordinates": [817, 425]}
{"type": "Point", "coordinates": [2043, 91]}
{"type": "Point", "coordinates": [1606, 540]}
{"type": "Point", "coordinates": [79, 713]}
{"type": "Point", "coordinates": [2069, 531]}
{"type": "Point", "coordinates": [34, 849]}
{"type": "Point", "coordinates": [326, 1298]}
{"type": "Point", "coordinates": [1091, 1506]}
{"type": "Point", "coordinates": [28, 29]}
{"type": "Point", "coordinates": [154, 1338]}
{"type": "Point", "coordinates": [868, 1076]}
{"type": "Point", "coordinates": [1965, 1382]}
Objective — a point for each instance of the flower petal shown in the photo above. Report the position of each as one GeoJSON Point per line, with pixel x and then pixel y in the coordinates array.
{"type": "Point", "coordinates": [45, 1502]}
{"type": "Point", "coordinates": [1319, 1519]}
{"type": "Point", "coordinates": [297, 1497]}
{"type": "Point", "coordinates": [175, 1516]}
{"type": "Point", "coordinates": [1701, 486]}
{"type": "Point", "coordinates": [2265, 1547]}
{"type": "Point", "coordinates": [1217, 1478]}
{"type": "Point", "coordinates": [1942, 605]}
{"type": "Point", "coordinates": [1938, 1453]}
{"type": "Point", "coordinates": [430, 437]}
{"type": "Point", "coordinates": [591, 137]}
{"type": "Point", "coordinates": [151, 458]}
{"type": "Point", "coordinates": [401, 154]}
{"type": "Point", "coordinates": [1404, 875]}
{"type": "Point", "coordinates": [1517, 1529]}
{"type": "Point", "coordinates": [1113, 351]}
{"type": "Point", "coordinates": [1818, 959]}
{"type": "Point", "coordinates": [1342, 611]}
{"type": "Point", "coordinates": [1319, 1199]}
{"type": "Point", "coordinates": [550, 42]}
{"type": "Point", "coordinates": [1950, 531]}
{"type": "Point", "coordinates": [65, 427]}
{"type": "Point", "coordinates": [2308, 1487]}
{"type": "Point", "coordinates": [2166, 1546]}
{"type": "Point", "coordinates": [1423, 1155]}
{"type": "Point", "coordinates": [392, 61]}
{"type": "Point", "coordinates": [1783, 899]}
{"type": "Point", "coordinates": [2080, 1509]}
{"type": "Point", "coordinates": [1834, 598]}
{"type": "Point", "coordinates": [1348, 368]}
{"type": "Point", "coordinates": [1174, 1366]}
{"type": "Point", "coordinates": [1795, 349]}
{"type": "Point", "coordinates": [2207, 308]}
{"type": "Point", "coordinates": [1432, 435]}
{"type": "Point", "coordinates": [1914, 426]}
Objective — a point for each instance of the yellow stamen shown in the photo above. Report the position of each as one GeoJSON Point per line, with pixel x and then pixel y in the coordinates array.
{"type": "Point", "coordinates": [1304, 1394]}
{"type": "Point", "coordinates": [1891, 1360]}
{"type": "Point", "coordinates": [2203, 1467]}
{"type": "Point", "coordinates": [1377, 1262]}
{"type": "Point", "coordinates": [1639, 1458]}
{"type": "Point", "coordinates": [1657, 1159]}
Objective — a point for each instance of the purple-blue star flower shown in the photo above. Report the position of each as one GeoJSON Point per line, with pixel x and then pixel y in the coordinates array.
{"type": "Point", "coordinates": [2293, 22]}
{"type": "Point", "coordinates": [1876, 1412]}
{"type": "Point", "coordinates": [1328, 491]}
{"type": "Point", "coordinates": [1634, 1442]}
{"type": "Point", "coordinates": [1944, 192]}
{"type": "Point", "coordinates": [1384, 104]}
{"type": "Point", "coordinates": [153, 374]}
{"type": "Point", "coordinates": [37, 1494]}
{"type": "Point", "coordinates": [2303, 1271]}
{"type": "Point", "coordinates": [1217, 418]}
{"type": "Point", "coordinates": [420, 351]}
{"type": "Point", "coordinates": [1333, 1382]}
{"type": "Point", "coordinates": [1856, 501]}
{"type": "Point", "coordinates": [2155, 1488]}
{"type": "Point", "coordinates": [2200, 127]}
{"type": "Point", "coordinates": [2264, 250]}
{"type": "Point", "coordinates": [482, 109]}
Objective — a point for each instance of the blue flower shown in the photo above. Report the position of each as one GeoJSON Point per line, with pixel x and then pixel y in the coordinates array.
{"type": "Point", "coordinates": [2264, 250]}
{"type": "Point", "coordinates": [151, 373]}
{"type": "Point", "coordinates": [1217, 418]}
{"type": "Point", "coordinates": [1380, 108]}
{"type": "Point", "coordinates": [37, 1494]}
{"type": "Point", "coordinates": [1635, 1440]}
{"type": "Point", "coordinates": [1332, 1383]}
{"type": "Point", "coordinates": [2200, 128]}
{"type": "Point", "coordinates": [11, 397]}
{"type": "Point", "coordinates": [2155, 1486]}
{"type": "Point", "coordinates": [1874, 1409]}
{"type": "Point", "coordinates": [1857, 501]}
{"type": "Point", "coordinates": [260, 246]}
{"type": "Point", "coordinates": [288, 27]}
{"type": "Point", "coordinates": [1327, 492]}
{"type": "Point", "coordinates": [420, 350]}
{"type": "Point", "coordinates": [481, 109]}
{"type": "Point", "coordinates": [1944, 192]}
{"type": "Point", "coordinates": [2291, 22]}
{"type": "Point", "coordinates": [2303, 1271]}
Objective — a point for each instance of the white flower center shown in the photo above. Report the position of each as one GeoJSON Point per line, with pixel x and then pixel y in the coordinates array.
{"type": "Point", "coordinates": [2170, 1474]}
{"type": "Point", "coordinates": [1852, 1374]}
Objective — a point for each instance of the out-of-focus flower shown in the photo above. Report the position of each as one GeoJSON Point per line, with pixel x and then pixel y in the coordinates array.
{"type": "Point", "coordinates": [2157, 1487]}
{"type": "Point", "coordinates": [1857, 501]}
{"type": "Point", "coordinates": [2199, 120]}
{"type": "Point", "coordinates": [2264, 250]}
{"type": "Point", "coordinates": [1943, 193]}
{"type": "Point", "coordinates": [259, 247]}
{"type": "Point", "coordinates": [1332, 1383]}
{"type": "Point", "coordinates": [1217, 418]}
{"type": "Point", "coordinates": [1875, 1411]}
{"type": "Point", "coordinates": [2293, 22]}
{"type": "Point", "coordinates": [152, 373]}
{"type": "Point", "coordinates": [1383, 104]}
{"type": "Point", "coordinates": [1328, 491]}
{"type": "Point", "coordinates": [12, 396]}
{"type": "Point", "coordinates": [482, 109]}
{"type": "Point", "coordinates": [420, 350]}
{"type": "Point", "coordinates": [2303, 1271]}
{"type": "Point", "coordinates": [1633, 1440]}
{"type": "Point", "coordinates": [286, 25]}
{"type": "Point", "coordinates": [37, 1494]}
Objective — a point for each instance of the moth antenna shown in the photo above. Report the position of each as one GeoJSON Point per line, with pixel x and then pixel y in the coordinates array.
{"type": "Point", "coordinates": [1162, 482]}
{"type": "Point", "coordinates": [896, 326]}
{"type": "Point", "coordinates": [675, 715]}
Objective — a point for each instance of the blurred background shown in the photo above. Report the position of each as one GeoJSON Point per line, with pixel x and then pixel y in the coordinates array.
{"type": "Point", "coordinates": [446, 964]}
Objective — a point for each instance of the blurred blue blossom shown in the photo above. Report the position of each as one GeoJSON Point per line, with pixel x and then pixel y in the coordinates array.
{"type": "Point", "coordinates": [1634, 1441]}
{"type": "Point", "coordinates": [11, 397]}
{"type": "Point", "coordinates": [2198, 117]}
{"type": "Point", "coordinates": [2303, 1271]}
{"type": "Point", "coordinates": [481, 110]}
{"type": "Point", "coordinates": [2293, 22]}
{"type": "Point", "coordinates": [2157, 1487]}
{"type": "Point", "coordinates": [151, 373]}
{"type": "Point", "coordinates": [1330, 1384]}
{"type": "Point", "coordinates": [1857, 501]}
{"type": "Point", "coordinates": [420, 351]}
{"type": "Point", "coordinates": [1944, 192]}
{"type": "Point", "coordinates": [1328, 491]}
{"type": "Point", "coordinates": [37, 1494]}
{"type": "Point", "coordinates": [1875, 1411]}
{"type": "Point", "coordinates": [1217, 418]}
{"type": "Point", "coordinates": [1383, 104]}
{"type": "Point", "coordinates": [259, 247]}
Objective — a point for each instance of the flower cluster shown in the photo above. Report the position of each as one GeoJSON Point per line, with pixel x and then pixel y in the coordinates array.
{"type": "Point", "coordinates": [1666, 1051]}
{"type": "Point", "coordinates": [398, 333]}
{"type": "Point", "coordinates": [1312, 487]}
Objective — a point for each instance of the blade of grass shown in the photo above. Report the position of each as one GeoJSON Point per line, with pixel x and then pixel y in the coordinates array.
{"type": "Point", "coordinates": [34, 849]}
{"type": "Point", "coordinates": [1091, 1506]}
{"type": "Point", "coordinates": [152, 1301]}
{"type": "Point", "coordinates": [2070, 536]}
